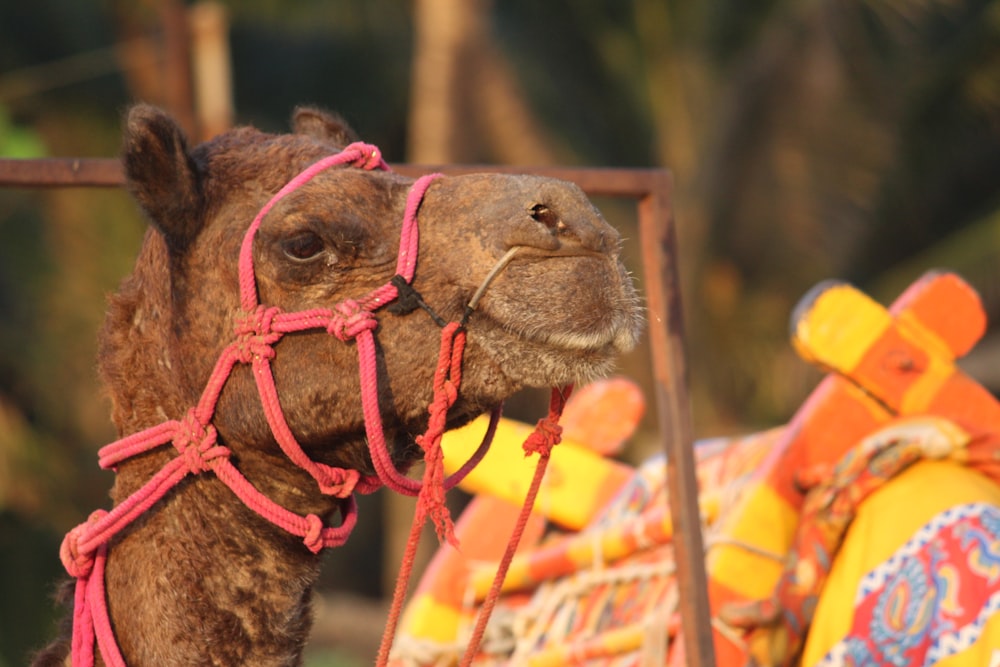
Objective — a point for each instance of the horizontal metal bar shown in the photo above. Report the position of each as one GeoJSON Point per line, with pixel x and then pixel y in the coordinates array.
{"type": "Point", "coordinates": [61, 172]}
{"type": "Point", "coordinates": [628, 183]}
{"type": "Point", "coordinates": [107, 172]}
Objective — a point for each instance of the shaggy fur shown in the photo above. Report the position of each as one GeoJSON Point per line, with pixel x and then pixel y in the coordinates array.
{"type": "Point", "coordinates": [202, 580]}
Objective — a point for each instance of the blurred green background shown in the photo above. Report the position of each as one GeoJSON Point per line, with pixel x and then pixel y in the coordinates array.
{"type": "Point", "coordinates": [809, 139]}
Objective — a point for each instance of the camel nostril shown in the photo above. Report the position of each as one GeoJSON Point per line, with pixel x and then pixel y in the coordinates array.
{"type": "Point", "coordinates": [543, 214]}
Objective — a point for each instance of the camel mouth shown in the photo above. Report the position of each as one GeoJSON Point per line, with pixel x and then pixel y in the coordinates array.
{"type": "Point", "coordinates": [586, 353]}
{"type": "Point", "coordinates": [589, 305]}
{"type": "Point", "coordinates": [617, 337]}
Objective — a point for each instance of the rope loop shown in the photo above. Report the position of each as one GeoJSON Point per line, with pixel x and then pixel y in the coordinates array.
{"type": "Point", "coordinates": [79, 564]}
{"type": "Point", "coordinates": [350, 319]}
{"type": "Point", "coordinates": [197, 443]}
{"type": "Point", "coordinates": [255, 335]}
{"type": "Point", "coordinates": [368, 484]}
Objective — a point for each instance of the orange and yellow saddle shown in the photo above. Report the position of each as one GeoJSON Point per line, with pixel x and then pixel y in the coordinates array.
{"type": "Point", "coordinates": [864, 532]}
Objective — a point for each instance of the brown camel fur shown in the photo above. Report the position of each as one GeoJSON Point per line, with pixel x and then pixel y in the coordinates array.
{"type": "Point", "coordinates": [202, 580]}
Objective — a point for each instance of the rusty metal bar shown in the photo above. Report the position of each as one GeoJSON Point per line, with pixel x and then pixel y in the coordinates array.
{"type": "Point", "coordinates": [624, 183]}
{"type": "Point", "coordinates": [651, 188]}
{"type": "Point", "coordinates": [107, 172]}
{"type": "Point", "coordinates": [61, 173]}
{"type": "Point", "coordinates": [666, 334]}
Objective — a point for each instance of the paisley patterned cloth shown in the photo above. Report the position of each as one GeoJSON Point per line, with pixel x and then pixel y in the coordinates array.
{"type": "Point", "coordinates": [932, 555]}
{"type": "Point", "coordinates": [917, 579]}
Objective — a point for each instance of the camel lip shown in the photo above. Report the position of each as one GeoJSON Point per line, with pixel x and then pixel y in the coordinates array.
{"type": "Point", "coordinates": [617, 338]}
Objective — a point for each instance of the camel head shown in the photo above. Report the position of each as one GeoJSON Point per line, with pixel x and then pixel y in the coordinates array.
{"type": "Point", "coordinates": [558, 312]}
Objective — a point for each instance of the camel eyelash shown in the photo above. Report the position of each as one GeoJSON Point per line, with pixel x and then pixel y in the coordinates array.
{"type": "Point", "coordinates": [303, 247]}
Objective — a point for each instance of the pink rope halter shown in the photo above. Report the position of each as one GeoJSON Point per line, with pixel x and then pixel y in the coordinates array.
{"type": "Point", "coordinates": [84, 550]}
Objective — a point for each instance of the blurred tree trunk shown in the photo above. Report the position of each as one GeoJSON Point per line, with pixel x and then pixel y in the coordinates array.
{"type": "Point", "coordinates": [466, 104]}
{"type": "Point", "coordinates": [168, 82]}
{"type": "Point", "coordinates": [509, 128]}
{"type": "Point", "coordinates": [680, 92]}
{"type": "Point", "coordinates": [442, 28]}
{"type": "Point", "coordinates": [208, 23]}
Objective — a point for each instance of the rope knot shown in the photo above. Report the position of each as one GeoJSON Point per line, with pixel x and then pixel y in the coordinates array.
{"type": "Point", "coordinates": [370, 156]}
{"type": "Point", "coordinates": [198, 444]}
{"type": "Point", "coordinates": [350, 319]}
{"type": "Point", "coordinates": [444, 398]}
{"type": "Point", "coordinates": [337, 482]}
{"type": "Point", "coordinates": [447, 379]}
{"type": "Point", "coordinates": [255, 335]}
{"type": "Point", "coordinates": [79, 564]}
{"type": "Point", "coordinates": [548, 432]}
{"type": "Point", "coordinates": [314, 533]}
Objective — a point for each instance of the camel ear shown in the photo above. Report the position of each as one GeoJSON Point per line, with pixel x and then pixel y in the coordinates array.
{"type": "Point", "coordinates": [162, 176]}
{"type": "Point", "coordinates": [323, 125]}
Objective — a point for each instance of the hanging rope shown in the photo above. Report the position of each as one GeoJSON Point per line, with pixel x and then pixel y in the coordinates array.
{"type": "Point", "coordinates": [547, 434]}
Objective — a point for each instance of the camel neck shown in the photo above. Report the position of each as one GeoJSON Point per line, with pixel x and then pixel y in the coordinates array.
{"type": "Point", "coordinates": [201, 554]}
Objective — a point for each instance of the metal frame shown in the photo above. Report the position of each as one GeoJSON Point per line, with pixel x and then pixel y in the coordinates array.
{"type": "Point", "coordinates": [651, 189]}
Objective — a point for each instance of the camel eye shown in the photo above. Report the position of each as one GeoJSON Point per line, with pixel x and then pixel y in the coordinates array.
{"type": "Point", "coordinates": [303, 246]}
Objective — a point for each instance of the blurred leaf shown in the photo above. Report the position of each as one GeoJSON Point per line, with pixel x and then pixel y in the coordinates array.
{"type": "Point", "coordinates": [18, 142]}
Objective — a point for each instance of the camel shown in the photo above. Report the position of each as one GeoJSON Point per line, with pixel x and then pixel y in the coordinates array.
{"type": "Point", "coordinates": [199, 578]}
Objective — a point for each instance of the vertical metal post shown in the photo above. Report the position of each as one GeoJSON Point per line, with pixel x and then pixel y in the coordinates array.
{"type": "Point", "coordinates": [666, 333]}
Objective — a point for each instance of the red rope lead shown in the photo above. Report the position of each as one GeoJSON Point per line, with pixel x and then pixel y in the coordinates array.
{"type": "Point", "coordinates": [547, 434]}
{"type": "Point", "coordinates": [402, 583]}
{"type": "Point", "coordinates": [430, 500]}
{"type": "Point", "coordinates": [447, 379]}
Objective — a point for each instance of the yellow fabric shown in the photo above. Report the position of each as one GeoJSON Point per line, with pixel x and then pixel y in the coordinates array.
{"type": "Point", "coordinates": [984, 653]}
{"type": "Point", "coordinates": [767, 523]}
{"type": "Point", "coordinates": [884, 522]}
{"type": "Point", "coordinates": [430, 620]}
{"type": "Point", "coordinates": [576, 484]}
